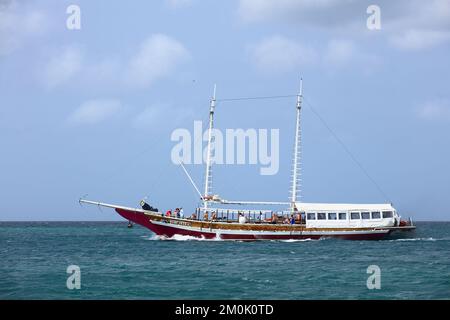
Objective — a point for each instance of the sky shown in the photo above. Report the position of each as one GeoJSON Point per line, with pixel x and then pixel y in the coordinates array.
{"type": "Point", "coordinates": [89, 111]}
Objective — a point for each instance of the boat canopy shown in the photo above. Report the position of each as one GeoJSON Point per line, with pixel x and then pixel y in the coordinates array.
{"type": "Point", "coordinates": [311, 207]}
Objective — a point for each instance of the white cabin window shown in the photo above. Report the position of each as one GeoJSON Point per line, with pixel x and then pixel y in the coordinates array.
{"type": "Point", "coordinates": [321, 216]}
{"type": "Point", "coordinates": [376, 215]}
{"type": "Point", "coordinates": [311, 216]}
{"type": "Point", "coordinates": [365, 215]}
{"type": "Point", "coordinates": [342, 215]}
{"type": "Point", "coordinates": [332, 216]}
{"type": "Point", "coordinates": [355, 215]}
{"type": "Point", "coordinates": [387, 214]}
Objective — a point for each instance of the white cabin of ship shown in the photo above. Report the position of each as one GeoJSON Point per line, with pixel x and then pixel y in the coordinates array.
{"type": "Point", "coordinates": [332, 215]}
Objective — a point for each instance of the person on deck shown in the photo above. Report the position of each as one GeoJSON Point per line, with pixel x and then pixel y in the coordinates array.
{"type": "Point", "coordinates": [168, 213]}
{"type": "Point", "coordinates": [181, 213]}
{"type": "Point", "coordinates": [206, 216]}
{"type": "Point", "coordinates": [260, 217]}
{"type": "Point", "coordinates": [292, 219]}
{"type": "Point", "coordinates": [194, 216]}
{"type": "Point", "coordinates": [214, 216]}
{"type": "Point", "coordinates": [274, 218]}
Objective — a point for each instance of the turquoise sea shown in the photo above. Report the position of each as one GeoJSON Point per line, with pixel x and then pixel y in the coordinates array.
{"type": "Point", "coordinates": [120, 263]}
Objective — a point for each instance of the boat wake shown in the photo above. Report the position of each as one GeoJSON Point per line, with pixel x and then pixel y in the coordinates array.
{"type": "Point", "coordinates": [297, 240]}
{"type": "Point", "coordinates": [179, 237]}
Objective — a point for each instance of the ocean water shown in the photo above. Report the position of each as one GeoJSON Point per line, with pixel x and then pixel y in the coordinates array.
{"type": "Point", "coordinates": [121, 263]}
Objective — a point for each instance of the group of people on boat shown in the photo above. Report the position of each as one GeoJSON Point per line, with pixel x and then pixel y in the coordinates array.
{"type": "Point", "coordinates": [292, 219]}
{"type": "Point", "coordinates": [275, 218]}
{"type": "Point", "coordinates": [177, 213]}
{"type": "Point", "coordinates": [205, 216]}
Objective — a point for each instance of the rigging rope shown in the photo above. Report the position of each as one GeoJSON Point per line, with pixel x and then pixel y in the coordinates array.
{"type": "Point", "coordinates": [347, 150]}
{"type": "Point", "coordinates": [341, 143]}
{"type": "Point", "coordinates": [257, 98]}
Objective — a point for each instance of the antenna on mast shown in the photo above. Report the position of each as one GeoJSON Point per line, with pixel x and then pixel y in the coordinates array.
{"type": "Point", "coordinates": [295, 188]}
{"type": "Point", "coordinates": [208, 174]}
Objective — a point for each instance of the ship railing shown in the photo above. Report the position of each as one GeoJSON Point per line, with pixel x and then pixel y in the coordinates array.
{"type": "Point", "coordinates": [251, 215]}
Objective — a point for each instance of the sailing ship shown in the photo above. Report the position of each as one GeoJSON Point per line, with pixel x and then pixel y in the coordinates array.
{"type": "Point", "coordinates": [214, 219]}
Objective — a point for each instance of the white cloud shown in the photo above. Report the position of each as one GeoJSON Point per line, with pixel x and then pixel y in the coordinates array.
{"type": "Point", "coordinates": [63, 66]}
{"type": "Point", "coordinates": [420, 25]}
{"type": "Point", "coordinates": [340, 52]}
{"type": "Point", "coordinates": [419, 39]}
{"type": "Point", "coordinates": [161, 115]}
{"type": "Point", "coordinates": [154, 117]}
{"type": "Point", "coordinates": [435, 110]}
{"type": "Point", "coordinates": [157, 57]}
{"type": "Point", "coordinates": [279, 54]}
{"type": "Point", "coordinates": [95, 111]}
{"type": "Point", "coordinates": [18, 24]}
{"type": "Point", "coordinates": [405, 24]}
{"type": "Point", "coordinates": [343, 53]}
{"type": "Point", "coordinates": [290, 10]}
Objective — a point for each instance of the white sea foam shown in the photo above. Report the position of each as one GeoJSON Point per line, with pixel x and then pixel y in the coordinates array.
{"type": "Point", "coordinates": [179, 237]}
{"type": "Point", "coordinates": [298, 240]}
{"type": "Point", "coordinates": [416, 239]}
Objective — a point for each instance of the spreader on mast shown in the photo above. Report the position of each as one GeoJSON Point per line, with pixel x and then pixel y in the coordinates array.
{"type": "Point", "coordinates": [295, 188]}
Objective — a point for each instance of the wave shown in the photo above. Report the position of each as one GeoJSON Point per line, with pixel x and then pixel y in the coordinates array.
{"type": "Point", "coordinates": [265, 281]}
{"type": "Point", "coordinates": [416, 239]}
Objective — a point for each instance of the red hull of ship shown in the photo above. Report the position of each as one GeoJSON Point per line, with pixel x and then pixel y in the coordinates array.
{"type": "Point", "coordinates": [171, 230]}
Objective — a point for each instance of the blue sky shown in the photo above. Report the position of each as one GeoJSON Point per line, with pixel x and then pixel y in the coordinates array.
{"type": "Point", "coordinates": [91, 111]}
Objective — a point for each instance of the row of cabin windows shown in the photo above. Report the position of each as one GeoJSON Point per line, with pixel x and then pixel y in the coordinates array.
{"type": "Point", "coordinates": [353, 215]}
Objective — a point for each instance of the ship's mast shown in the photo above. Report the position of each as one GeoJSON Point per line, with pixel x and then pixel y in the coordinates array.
{"type": "Point", "coordinates": [295, 188]}
{"type": "Point", "coordinates": [208, 174]}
